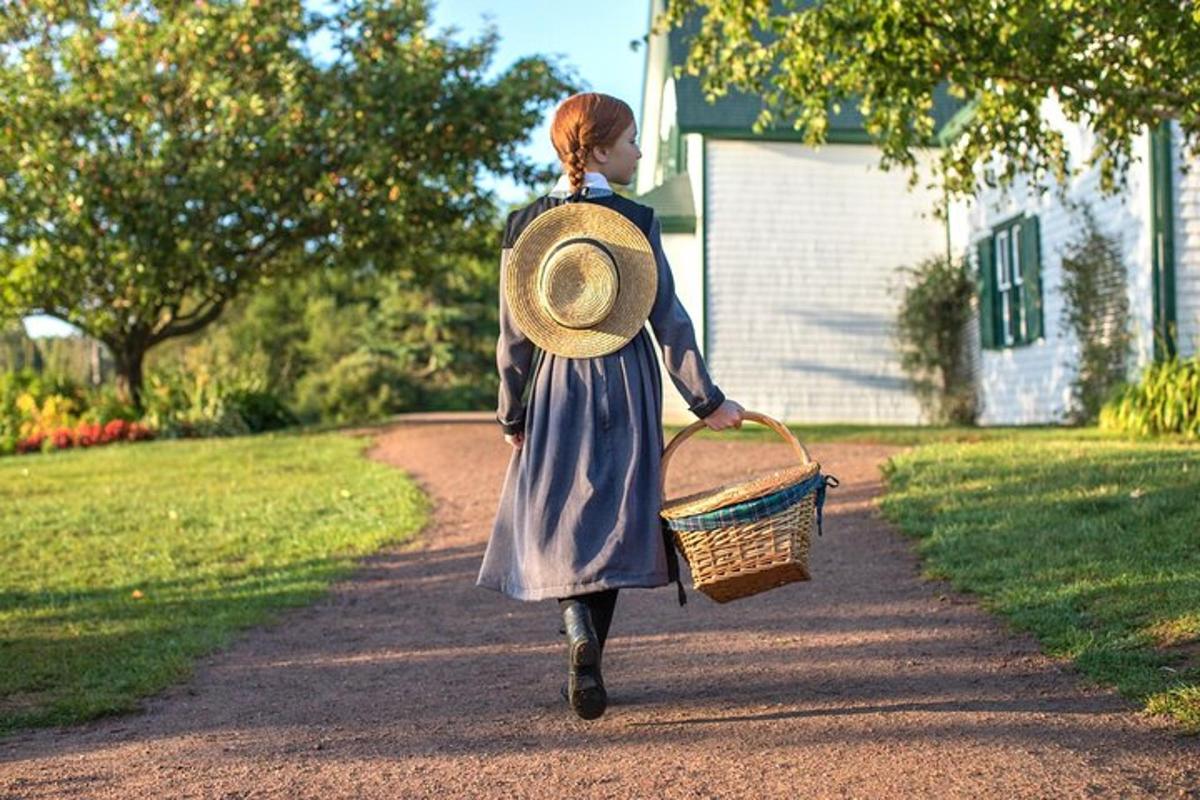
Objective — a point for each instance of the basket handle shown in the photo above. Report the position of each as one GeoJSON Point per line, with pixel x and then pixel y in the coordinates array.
{"type": "Point", "coordinates": [771, 423]}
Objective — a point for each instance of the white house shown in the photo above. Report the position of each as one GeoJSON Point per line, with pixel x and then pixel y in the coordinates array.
{"type": "Point", "coordinates": [785, 257]}
{"type": "Point", "coordinates": [1024, 355]}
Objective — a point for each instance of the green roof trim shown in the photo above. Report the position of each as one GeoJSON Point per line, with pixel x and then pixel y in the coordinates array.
{"type": "Point", "coordinates": [672, 202]}
{"type": "Point", "coordinates": [956, 124]}
{"type": "Point", "coordinates": [732, 115]}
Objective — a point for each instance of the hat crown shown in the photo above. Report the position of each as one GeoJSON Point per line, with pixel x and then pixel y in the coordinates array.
{"type": "Point", "coordinates": [580, 279]}
{"type": "Point", "coordinates": [578, 282]}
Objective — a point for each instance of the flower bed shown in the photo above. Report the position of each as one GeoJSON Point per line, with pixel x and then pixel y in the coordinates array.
{"type": "Point", "coordinates": [84, 434]}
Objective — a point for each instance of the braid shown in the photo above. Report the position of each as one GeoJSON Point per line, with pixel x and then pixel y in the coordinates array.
{"type": "Point", "coordinates": [577, 166]}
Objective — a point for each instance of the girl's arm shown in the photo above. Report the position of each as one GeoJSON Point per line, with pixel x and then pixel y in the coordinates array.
{"type": "Point", "coordinates": [677, 338]}
{"type": "Point", "coordinates": [514, 354]}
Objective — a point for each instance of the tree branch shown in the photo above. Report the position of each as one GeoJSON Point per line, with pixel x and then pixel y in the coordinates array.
{"type": "Point", "coordinates": [193, 324]}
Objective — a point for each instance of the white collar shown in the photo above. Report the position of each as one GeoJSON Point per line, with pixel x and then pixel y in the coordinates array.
{"type": "Point", "coordinates": [594, 182]}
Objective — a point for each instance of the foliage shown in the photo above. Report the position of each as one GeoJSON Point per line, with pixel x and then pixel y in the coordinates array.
{"type": "Point", "coordinates": [338, 347]}
{"type": "Point", "coordinates": [1165, 400]}
{"type": "Point", "coordinates": [931, 327]}
{"type": "Point", "coordinates": [207, 394]}
{"type": "Point", "coordinates": [200, 396]}
{"type": "Point", "coordinates": [46, 411]}
{"type": "Point", "coordinates": [324, 347]}
{"type": "Point", "coordinates": [157, 162]}
{"type": "Point", "coordinates": [124, 565]}
{"type": "Point", "coordinates": [1093, 546]}
{"type": "Point", "coordinates": [1117, 66]}
{"type": "Point", "coordinates": [104, 404]}
{"type": "Point", "coordinates": [25, 393]}
{"type": "Point", "coordinates": [1096, 310]}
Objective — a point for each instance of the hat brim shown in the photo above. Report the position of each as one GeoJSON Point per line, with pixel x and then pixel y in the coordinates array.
{"type": "Point", "coordinates": [636, 269]}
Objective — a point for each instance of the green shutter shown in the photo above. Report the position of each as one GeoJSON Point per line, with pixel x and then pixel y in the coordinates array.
{"type": "Point", "coordinates": [987, 295]}
{"type": "Point", "coordinates": [674, 167]}
{"type": "Point", "coordinates": [1031, 277]}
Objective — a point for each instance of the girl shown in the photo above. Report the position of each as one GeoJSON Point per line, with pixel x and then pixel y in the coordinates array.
{"type": "Point", "coordinates": [579, 510]}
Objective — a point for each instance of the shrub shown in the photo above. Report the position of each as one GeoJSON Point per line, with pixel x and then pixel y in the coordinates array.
{"type": "Point", "coordinates": [104, 405]}
{"type": "Point", "coordinates": [42, 412]}
{"type": "Point", "coordinates": [931, 328]}
{"type": "Point", "coordinates": [1165, 400]}
{"type": "Point", "coordinates": [363, 385]}
{"type": "Point", "coordinates": [203, 396]}
{"type": "Point", "coordinates": [262, 410]}
{"type": "Point", "coordinates": [1096, 310]}
{"type": "Point", "coordinates": [33, 402]}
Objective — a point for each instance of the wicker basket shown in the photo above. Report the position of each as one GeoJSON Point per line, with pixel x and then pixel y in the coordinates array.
{"type": "Point", "coordinates": [743, 538]}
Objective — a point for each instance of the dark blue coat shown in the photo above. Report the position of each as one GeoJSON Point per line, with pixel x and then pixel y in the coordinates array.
{"type": "Point", "coordinates": [579, 509]}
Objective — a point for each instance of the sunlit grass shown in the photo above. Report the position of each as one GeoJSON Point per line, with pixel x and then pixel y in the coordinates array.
{"type": "Point", "coordinates": [124, 563]}
{"type": "Point", "coordinates": [1093, 545]}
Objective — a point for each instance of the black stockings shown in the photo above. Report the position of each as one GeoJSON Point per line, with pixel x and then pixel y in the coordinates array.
{"type": "Point", "coordinates": [601, 605]}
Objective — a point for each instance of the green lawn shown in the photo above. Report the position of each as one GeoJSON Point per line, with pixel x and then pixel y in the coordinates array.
{"type": "Point", "coordinates": [902, 435]}
{"type": "Point", "coordinates": [124, 563]}
{"type": "Point", "coordinates": [1091, 543]}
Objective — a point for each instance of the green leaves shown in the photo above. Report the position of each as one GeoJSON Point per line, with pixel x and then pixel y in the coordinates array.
{"type": "Point", "coordinates": [1114, 65]}
{"type": "Point", "coordinates": [156, 163]}
{"type": "Point", "coordinates": [1096, 310]}
{"type": "Point", "coordinates": [931, 331]}
{"type": "Point", "coordinates": [1165, 400]}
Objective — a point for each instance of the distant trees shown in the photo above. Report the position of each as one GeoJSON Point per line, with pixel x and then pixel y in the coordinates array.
{"type": "Point", "coordinates": [155, 165]}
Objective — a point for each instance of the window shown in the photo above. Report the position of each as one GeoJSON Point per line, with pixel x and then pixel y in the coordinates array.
{"type": "Point", "coordinates": [1010, 308]}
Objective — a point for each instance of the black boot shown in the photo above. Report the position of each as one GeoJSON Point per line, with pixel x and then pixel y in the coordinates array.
{"type": "Point", "coordinates": [565, 692]}
{"type": "Point", "coordinates": [585, 686]}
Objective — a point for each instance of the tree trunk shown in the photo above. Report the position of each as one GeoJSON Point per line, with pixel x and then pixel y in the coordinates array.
{"type": "Point", "coordinates": [94, 364]}
{"type": "Point", "coordinates": [129, 374]}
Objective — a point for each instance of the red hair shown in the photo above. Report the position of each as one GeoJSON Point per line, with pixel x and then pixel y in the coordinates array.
{"type": "Point", "coordinates": [583, 121]}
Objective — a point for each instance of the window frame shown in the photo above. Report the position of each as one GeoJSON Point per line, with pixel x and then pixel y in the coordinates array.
{"type": "Point", "coordinates": [1010, 313]}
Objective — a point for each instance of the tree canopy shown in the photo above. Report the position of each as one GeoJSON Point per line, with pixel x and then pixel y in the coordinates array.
{"type": "Point", "coordinates": [158, 159]}
{"type": "Point", "coordinates": [1118, 66]}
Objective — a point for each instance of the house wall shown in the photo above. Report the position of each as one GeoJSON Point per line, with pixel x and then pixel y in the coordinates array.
{"type": "Point", "coordinates": [1031, 384]}
{"type": "Point", "coordinates": [1187, 246]}
{"type": "Point", "coordinates": [654, 83]}
{"type": "Point", "coordinates": [685, 253]}
{"type": "Point", "coordinates": [802, 251]}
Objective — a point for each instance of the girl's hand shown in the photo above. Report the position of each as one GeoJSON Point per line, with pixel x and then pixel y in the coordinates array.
{"type": "Point", "coordinates": [516, 439]}
{"type": "Point", "coordinates": [727, 415]}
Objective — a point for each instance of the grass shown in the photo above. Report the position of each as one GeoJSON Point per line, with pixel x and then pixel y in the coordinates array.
{"type": "Point", "coordinates": [1090, 542]}
{"type": "Point", "coordinates": [901, 435]}
{"type": "Point", "coordinates": [125, 563]}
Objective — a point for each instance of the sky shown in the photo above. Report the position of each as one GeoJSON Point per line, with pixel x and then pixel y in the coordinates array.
{"type": "Point", "coordinates": [591, 38]}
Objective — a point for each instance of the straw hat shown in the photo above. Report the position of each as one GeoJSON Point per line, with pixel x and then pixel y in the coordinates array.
{"type": "Point", "coordinates": [580, 280]}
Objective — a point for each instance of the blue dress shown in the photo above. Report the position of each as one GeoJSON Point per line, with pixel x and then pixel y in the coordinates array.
{"type": "Point", "coordinates": [579, 508]}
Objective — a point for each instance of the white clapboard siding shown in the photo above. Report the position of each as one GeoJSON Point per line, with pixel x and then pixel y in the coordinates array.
{"type": "Point", "coordinates": [683, 252]}
{"type": "Point", "coordinates": [1030, 384]}
{"type": "Point", "coordinates": [1187, 248]}
{"type": "Point", "coordinates": [803, 247]}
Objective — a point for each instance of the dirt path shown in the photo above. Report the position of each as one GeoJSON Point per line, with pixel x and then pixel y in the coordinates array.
{"type": "Point", "coordinates": [408, 681]}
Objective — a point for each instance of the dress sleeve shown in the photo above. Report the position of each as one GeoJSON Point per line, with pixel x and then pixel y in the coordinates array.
{"type": "Point", "coordinates": [514, 355]}
{"type": "Point", "coordinates": [677, 338]}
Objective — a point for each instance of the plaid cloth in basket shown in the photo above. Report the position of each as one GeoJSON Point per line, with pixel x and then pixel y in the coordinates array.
{"type": "Point", "coordinates": [759, 507]}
